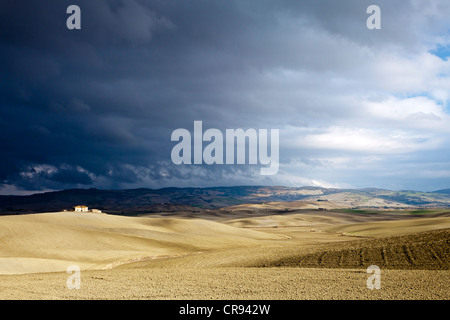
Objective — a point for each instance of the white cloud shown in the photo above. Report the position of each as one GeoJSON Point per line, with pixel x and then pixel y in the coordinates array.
{"type": "Point", "coordinates": [38, 169]}
{"type": "Point", "coordinates": [369, 141]}
{"type": "Point", "coordinates": [416, 112]}
{"type": "Point", "coordinates": [398, 72]}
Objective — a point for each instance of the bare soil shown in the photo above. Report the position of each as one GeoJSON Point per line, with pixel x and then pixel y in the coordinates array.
{"type": "Point", "coordinates": [307, 255]}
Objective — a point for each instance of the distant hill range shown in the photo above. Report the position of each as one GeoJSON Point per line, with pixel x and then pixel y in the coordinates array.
{"type": "Point", "coordinates": [444, 191]}
{"type": "Point", "coordinates": [139, 201]}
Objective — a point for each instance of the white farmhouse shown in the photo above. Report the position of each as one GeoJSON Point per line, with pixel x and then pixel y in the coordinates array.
{"type": "Point", "coordinates": [81, 209]}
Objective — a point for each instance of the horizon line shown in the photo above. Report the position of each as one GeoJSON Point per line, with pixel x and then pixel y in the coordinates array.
{"type": "Point", "coordinates": [26, 193]}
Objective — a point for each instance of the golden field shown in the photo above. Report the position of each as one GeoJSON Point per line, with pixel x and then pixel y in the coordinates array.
{"type": "Point", "coordinates": [245, 254]}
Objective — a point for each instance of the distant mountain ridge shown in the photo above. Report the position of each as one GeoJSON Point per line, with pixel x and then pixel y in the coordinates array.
{"type": "Point", "coordinates": [444, 191]}
{"type": "Point", "coordinates": [137, 201]}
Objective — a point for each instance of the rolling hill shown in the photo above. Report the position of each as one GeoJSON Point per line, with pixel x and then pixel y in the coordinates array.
{"type": "Point", "coordinates": [144, 201]}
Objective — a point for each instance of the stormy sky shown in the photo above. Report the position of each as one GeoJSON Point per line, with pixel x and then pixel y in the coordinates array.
{"type": "Point", "coordinates": [96, 107]}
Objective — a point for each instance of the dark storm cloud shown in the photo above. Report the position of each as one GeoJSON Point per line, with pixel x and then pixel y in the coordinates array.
{"type": "Point", "coordinates": [97, 106]}
{"type": "Point", "coordinates": [109, 94]}
{"type": "Point", "coordinates": [62, 97]}
{"type": "Point", "coordinates": [70, 176]}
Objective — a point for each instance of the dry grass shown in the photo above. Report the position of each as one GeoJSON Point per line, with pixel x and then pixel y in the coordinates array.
{"type": "Point", "coordinates": [296, 256]}
{"type": "Point", "coordinates": [50, 242]}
